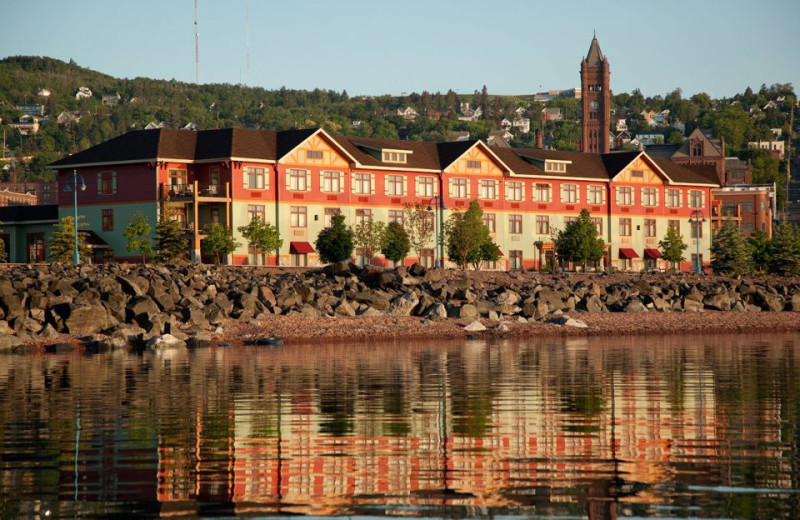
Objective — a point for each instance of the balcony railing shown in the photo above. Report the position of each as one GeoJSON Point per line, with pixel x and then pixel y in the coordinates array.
{"type": "Point", "coordinates": [193, 190]}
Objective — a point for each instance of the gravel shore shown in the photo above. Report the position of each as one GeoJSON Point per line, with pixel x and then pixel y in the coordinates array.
{"type": "Point", "coordinates": [301, 329]}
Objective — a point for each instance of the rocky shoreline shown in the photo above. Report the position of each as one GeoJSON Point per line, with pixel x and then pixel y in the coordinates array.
{"type": "Point", "coordinates": [118, 305]}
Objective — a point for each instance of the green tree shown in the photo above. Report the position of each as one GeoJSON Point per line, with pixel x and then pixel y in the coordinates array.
{"type": "Point", "coordinates": [419, 225]}
{"type": "Point", "coordinates": [171, 242]}
{"type": "Point", "coordinates": [579, 242]}
{"type": "Point", "coordinates": [368, 237]}
{"type": "Point", "coordinates": [760, 249]}
{"type": "Point", "coordinates": [335, 244]}
{"type": "Point", "coordinates": [785, 251]}
{"type": "Point", "coordinates": [396, 243]}
{"type": "Point", "coordinates": [731, 122]}
{"type": "Point", "coordinates": [261, 236]}
{"type": "Point", "coordinates": [672, 247]}
{"type": "Point", "coordinates": [466, 235]}
{"type": "Point", "coordinates": [565, 135]}
{"type": "Point", "coordinates": [729, 253]}
{"type": "Point", "coordinates": [137, 235]}
{"type": "Point", "coordinates": [62, 243]}
{"type": "Point", "coordinates": [219, 241]}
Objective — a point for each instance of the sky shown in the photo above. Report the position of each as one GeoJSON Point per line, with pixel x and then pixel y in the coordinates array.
{"type": "Point", "coordinates": [376, 47]}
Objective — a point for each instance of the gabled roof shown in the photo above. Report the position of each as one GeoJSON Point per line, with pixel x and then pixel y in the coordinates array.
{"type": "Point", "coordinates": [139, 145]}
{"type": "Point", "coordinates": [423, 156]}
{"type": "Point", "coordinates": [688, 174]}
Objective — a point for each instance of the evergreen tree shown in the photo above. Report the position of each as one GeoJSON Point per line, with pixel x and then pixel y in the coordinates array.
{"type": "Point", "coordinates": [219, 241]}
{"type": "Point", "coordinates": [62, 244]}
{"type": "Point", "coordinates": [729, 253]}
{"type": "Point", "coordinates": [396, 243]}
{"type": "Point", "coordinates": [785, 250]}
{"type": "Point", "coordinates": [578, 241]}
{"type": "Point", "coordinates": [137, 235]}
{"type": "Point", "coordinates": [760, 250]}
{"type": "Point", "coordinates": [672, 247]}
{"type": "Point", "coordinates": [368, 237]}
{"type": "Point", "coordinates": [261, 236]}
{"type": "Point", "coordinates": [171, 243]}
{"type": "Point", "coordinates": [335, 244]}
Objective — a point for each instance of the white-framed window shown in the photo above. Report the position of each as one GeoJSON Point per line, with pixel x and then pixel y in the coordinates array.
{"type": "Point", "coordinates": [542, 192]}
{"type": "Point", "coordinates": [363, 183]}
{"type": "Point", "coordinates": [490, 221]}
{"type": "Point", "coordinates": [331, 182]}
{"type": "Point", "coordinates": [556, 167]}
{"type": "Point", "coordinates": [624, 196]}
{"type": "Point", "coordinates": [254, 178]}
{"type": "Point", "coordinates": [515, 191]}
{"type": "Point", "coordinates": [396, 215]}
{"type": "Point", "coordinates": [256, 211]}
{"type": "Point", "coordinates": [298, 216]}
{"type": "Point", "coordinates": [650, 227]}
{"type": "Point", "coordinates": [459, 188]}
{"type": "Point", "coordinates": [696, 199]}
{"type": "Point", "coordinates": [426, 186]}
{"type": "Point", "coordinates": [596, 194]}
{"type": "Point", "coordinates": [298, 180]}
{"type": "Point", "coordinates": [649, 197]}
{"type": "Point", "coordinates": [542, 224]}
{"type": "Point", "coordinates": [625, 227]}
{"type": "Point", "coordinates": [394, 156]}
{"type": "Point", "coordinates": [363, 215]}
{"type": "Point", "coordinates": [488, 189]}
{"type": "Point", "coordinates": [515, 224]}
{"type": "Point", "coordinates": [673, 198]}
{"type": "Point", "coordinates": [396, 185]}
{"type": "Point", "coordinates": [569, 193]}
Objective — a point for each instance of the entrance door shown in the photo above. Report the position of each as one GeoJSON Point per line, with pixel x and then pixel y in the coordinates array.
{"type": "Point", "coordinates": [35, 247]}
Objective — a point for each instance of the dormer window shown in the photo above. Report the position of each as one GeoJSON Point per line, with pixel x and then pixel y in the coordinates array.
{"type": "Point", "coordinates": [395, 156]}
{"type": "Point", "coordinates": [697, 150]}
{"type": "Point", "coordinates": [558, 167]}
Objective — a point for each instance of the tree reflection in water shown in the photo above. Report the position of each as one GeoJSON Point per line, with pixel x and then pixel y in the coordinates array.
{"type": "Point", "coordinates": [597, 427]}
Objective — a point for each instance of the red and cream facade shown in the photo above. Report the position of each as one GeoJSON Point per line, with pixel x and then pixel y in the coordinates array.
{"type": "Point", "coordinates": [297, 180]}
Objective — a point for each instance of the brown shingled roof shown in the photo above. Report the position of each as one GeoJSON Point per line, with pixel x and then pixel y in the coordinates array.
{"type": "Point", "coordinates": [689, 174]}
{"type": "Point", "coordinates": [423, 155]}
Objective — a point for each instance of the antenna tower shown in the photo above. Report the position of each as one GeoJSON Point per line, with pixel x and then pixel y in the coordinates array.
{"type": "Point", "coordinates": [196, 48]}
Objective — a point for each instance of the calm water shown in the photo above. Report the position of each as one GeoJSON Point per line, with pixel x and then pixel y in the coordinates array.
{"type": "Point", "coordinates": [701, 427]}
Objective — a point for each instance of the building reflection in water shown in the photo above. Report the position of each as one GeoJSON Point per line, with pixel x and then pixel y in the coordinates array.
{"type": "Point", "coordinates": [585, 426]}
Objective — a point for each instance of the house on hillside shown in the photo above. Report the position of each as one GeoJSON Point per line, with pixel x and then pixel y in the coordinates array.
{"type": "Point", "coordinates": [43, 92]}
{"type": "Point", "coordinates": [31, 109]}
{"type": "Point", "coordinates": [83, 93]}
{"type": "Point", "coordinates": [67, 117]}
{"type": "Point", "coordinates": [111, 100]}
{"type": "Point", "coordinates": [408, 113]}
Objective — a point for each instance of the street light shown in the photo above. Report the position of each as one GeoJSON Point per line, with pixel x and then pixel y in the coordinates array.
{"type": "Point", "coordinates": [697, 219]}
{"type": "Point", "coordinates": [76, 257]}
{"type": "Point", "coordinates": [438, 205]}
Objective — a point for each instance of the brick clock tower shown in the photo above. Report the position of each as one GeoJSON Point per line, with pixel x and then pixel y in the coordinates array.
{"type": "Point", "coordinates": [596, 95]}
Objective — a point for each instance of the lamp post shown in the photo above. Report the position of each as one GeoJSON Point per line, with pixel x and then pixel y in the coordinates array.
{"type": "Point", "coordinates": [697, 219]}
{"type": "Point", "coordinates": [438, 205]}
{"type": "Point", "coordinates": [76, 257]}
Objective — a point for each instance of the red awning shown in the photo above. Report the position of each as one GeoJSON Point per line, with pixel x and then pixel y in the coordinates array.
{"type": "Point", "coordinates": [652, 254]}
{"type": "Point", "coordinates": [627, 253]}
{"type": "Point", "coordinates": [300, 248]}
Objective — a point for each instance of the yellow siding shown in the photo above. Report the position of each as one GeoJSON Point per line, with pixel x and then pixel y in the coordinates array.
{"type": "Point", "coordinates": [650, 175]}
{"type": "Point", "coordinates": [330, 157]}
{"type": "Point", "coordinates": [488, 166]}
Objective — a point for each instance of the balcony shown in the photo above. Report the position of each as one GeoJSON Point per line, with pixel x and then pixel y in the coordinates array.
{"type": "Point", "coordinates": [195, 191]}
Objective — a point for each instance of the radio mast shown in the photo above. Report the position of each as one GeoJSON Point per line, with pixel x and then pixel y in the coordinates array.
{"type": "Point", "coordinates": [196, 48]}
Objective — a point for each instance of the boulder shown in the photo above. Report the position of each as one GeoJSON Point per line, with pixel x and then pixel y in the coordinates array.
{"type": "Point", "coordinates": [475, 326]}
{"type": "Point", "coordinates": [9, 342]}
{"type": "Point", "coordinates": [403, 305]}
{"type": "Point", "coordinates": [437, 311]}
{"type": "Point", "coordinates": [166, 341]}
{"type": "Point", "coordinates": [85, 320]}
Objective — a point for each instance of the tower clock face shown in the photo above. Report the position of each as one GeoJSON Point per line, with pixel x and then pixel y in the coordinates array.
{"type": "Point", "coordinates": [594, 105]}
